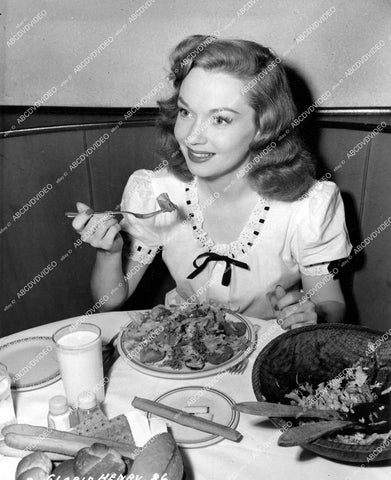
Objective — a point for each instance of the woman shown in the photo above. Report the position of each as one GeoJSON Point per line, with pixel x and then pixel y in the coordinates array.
{"type": "Point", "coordinates": [252, 224]}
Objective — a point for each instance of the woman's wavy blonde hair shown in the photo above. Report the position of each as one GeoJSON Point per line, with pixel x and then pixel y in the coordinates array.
{"type": "Point", "coordinates": [284, 172]}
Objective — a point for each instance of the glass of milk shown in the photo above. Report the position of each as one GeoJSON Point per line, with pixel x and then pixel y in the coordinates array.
{"type": "Point", "coordinates": [79, 354]}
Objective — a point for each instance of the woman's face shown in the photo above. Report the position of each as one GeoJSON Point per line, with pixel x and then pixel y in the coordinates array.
{"type": "Point", "coordinates": [215, 124]}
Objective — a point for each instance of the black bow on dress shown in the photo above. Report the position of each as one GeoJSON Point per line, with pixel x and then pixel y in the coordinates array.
{"type": "Point", "coordinates": [215, 257]}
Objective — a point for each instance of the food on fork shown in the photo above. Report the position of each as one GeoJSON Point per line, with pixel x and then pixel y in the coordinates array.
{"type": "Point", "coordinates": [165, 203]}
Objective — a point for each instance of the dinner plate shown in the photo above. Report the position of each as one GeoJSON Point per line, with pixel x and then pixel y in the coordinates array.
{"type": "Point", "coordinates": [157, 370]}
{"type": "Point", "coordinates": [31, 362]}
{"type": "Point", "coordinates": [220, 407]}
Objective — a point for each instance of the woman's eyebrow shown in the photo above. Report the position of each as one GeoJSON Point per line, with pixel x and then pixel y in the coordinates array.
{"type": "Point", "coordinates": [214, 110]}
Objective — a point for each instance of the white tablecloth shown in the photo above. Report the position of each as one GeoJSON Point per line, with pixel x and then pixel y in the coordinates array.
{"type": "Point", "coordinates": [257, 456]}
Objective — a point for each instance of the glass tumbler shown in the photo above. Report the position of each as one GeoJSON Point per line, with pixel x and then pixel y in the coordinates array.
{"type": "Point", "coordinates": [79, 354]}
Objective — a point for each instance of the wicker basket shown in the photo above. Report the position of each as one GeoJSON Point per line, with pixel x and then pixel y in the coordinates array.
{"type": "Point", "coordinates": [318, 354]}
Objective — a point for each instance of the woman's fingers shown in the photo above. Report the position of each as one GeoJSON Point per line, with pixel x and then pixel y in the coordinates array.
{"type": "Point", "coordinates": [100, 231]}
{"type": "Point", "coordinates": [291, 298]}
{"type": "Point", "coordinates": [85, 213]}
{"type": "Point", "coordinates": [109, 238]}
{"type": "Point", "coordinates": [279, 292]}
{"type": "Point", "coordinates": [294, 308]}
{"type": "Point", "coordinates": [297, 315]}
{"type": "Point", "coordinates": [298, 325]}
{"type": "Point", "coordinates": [299, 319]}
{"type": "Point", "coordinates": [275, 296]}
{"type": "Point", "coordinates": [281, 299]}
{"type": "Point", "coordinates": [82, 207]}
{"type": "Point", "coordinates": [97, 228]}
{"type": "Point", "coordinates": [106, 237]}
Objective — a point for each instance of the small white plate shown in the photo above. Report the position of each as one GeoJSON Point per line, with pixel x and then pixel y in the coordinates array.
{"type": "Point", "coordinates": [161, 371]}
{"type": "Point", "coordinates": [219, 404]}
{"type": "Point", "coordinates": [31, 362]}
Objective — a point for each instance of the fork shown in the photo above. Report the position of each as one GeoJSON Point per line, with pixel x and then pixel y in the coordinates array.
{"type": "Point", "coordinates": [110, 353]}
{"type": "Point", "coordinates": [239, 368]}
{"type": "Point", "coordinates": [119, 212]}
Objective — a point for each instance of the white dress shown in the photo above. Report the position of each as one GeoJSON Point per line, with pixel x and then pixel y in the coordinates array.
{"type": "Point", "coordinates": [280, 240]}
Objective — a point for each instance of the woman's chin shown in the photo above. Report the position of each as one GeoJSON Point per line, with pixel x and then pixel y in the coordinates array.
{"type": "Point", "coordinates": [205, 174]}
{"type": "Point", "coordinates": [208, 173]}
{"type": "Point", "coordinates": [200, 169]}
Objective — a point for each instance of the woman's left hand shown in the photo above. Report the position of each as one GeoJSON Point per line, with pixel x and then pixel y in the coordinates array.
{"type": "Point", "coordinates": [293, 309]}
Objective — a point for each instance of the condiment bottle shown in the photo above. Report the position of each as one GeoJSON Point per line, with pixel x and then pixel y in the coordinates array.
{"type": "Point", "coordinates": [88, 406]}
{"type": "Point", "coordinates": [7, 411]}
{"type": "Point", "coordinates": [60, 416]}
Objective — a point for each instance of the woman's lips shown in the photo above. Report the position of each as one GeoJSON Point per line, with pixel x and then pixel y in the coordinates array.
{"type": "Point", "coordinates": [199, 157]}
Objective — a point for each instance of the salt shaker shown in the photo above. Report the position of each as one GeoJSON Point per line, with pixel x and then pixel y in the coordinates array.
{"type": "Point", "coordinates": [88, 407]}
{"type": "Point", "coordinates": [60, 415]}
{"type": "Point", "coordinates": [7, 412]}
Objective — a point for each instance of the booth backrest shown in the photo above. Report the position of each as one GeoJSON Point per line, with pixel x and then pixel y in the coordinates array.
{"type": "Point", "coordinates": [45, 273]}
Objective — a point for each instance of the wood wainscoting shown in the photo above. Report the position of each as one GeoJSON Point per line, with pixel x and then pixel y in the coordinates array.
{"type": "Point", "coordinates": [45, 274]}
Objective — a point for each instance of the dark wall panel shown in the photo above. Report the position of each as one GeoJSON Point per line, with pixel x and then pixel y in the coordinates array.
{"type": "Point", "coordinates": [42, 234]}
{"type": "Point", "coordinates": [349, 174]}
{"type": "Point", "coordinates": [126, 150]}
{"type": "Point", "coordinates": [373, 281]}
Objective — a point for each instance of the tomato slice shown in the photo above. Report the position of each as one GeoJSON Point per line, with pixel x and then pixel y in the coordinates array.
{"type": "Point", "coordinates": [195, 363]}
{"type": "Point", "coordinates": [237, 329]}
{"type": "Point", "coordinates": [220, 356]}
{"type": "Point", "coordinates": [147, 355]}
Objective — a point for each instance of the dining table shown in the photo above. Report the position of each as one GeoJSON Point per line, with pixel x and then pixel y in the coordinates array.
{"type": "Point", "coordinates": [256, 456]}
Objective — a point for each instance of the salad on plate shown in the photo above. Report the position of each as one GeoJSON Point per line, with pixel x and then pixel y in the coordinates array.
{"type": "Point", "coordinates": [182, 338]}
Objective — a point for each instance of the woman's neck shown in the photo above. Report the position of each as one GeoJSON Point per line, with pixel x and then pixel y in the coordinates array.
{"type": "Point", "coordinates": [231, 187]}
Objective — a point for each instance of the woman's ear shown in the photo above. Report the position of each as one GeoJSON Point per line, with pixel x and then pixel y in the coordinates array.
{"type": "Point", "coordinates": [257, 136]}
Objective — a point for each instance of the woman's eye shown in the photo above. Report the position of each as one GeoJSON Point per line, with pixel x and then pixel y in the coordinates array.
{"type": "Point", "coordinates": [183, 112]}
{"type": "Point", "coordinates": [220, 120]}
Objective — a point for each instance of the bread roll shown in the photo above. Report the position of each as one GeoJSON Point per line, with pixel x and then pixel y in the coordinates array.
{"type": "Point", "coordinates": [98, 460]}
{"type": "Point", "coordinates": [159, 456]}
{"type": "Point", "coordinates": [36, 466]}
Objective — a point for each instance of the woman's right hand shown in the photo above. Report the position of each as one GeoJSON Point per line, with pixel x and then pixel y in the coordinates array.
{"type": "Point", "coordinates": [100, 231]}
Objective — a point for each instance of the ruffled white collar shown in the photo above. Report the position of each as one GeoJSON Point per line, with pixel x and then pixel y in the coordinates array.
{"type": "Point", "coordinates": [248, 236]}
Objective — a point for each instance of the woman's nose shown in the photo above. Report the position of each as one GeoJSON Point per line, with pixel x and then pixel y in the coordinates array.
{"type": "Point", "coordinates": [197, 134]}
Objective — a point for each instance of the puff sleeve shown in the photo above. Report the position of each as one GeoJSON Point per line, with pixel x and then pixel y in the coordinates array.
{"type": "Point", "coordinates": [143, 239]}
{"type": "Point", "coordinates": [320, 234]}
